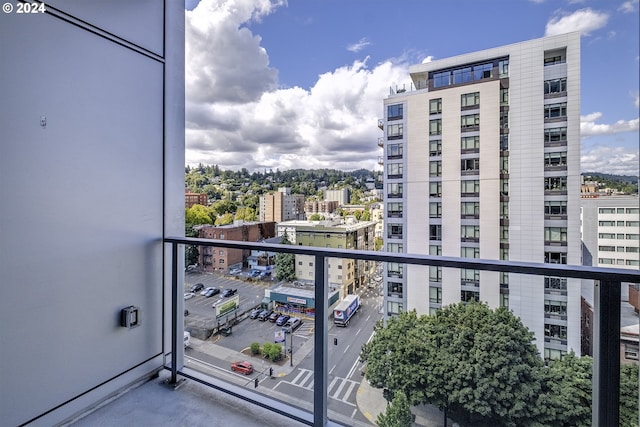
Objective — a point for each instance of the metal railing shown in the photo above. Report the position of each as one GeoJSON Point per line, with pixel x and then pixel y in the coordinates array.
{"type": "Point", "coordinates": [606, 340]}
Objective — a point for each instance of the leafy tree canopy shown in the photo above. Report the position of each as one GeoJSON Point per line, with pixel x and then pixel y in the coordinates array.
{"type": "Point", "coordinates": [397, 414]}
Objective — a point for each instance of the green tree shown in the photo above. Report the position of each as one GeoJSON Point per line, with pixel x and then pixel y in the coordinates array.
{"type": "Point", "coordinates": [566, 396]}
{"type": "Point", "coordinates": [397, 414]}
{"type": "Point", "coordinates": [222, 207]}
{"type": "Point", "coordinates": [316, 217]}
{"type": "Point", "coordinates": [478, 363]}
{"type": "Point", "coordinates": [224, 219]}
{"type": "Point", "coordinates": [366, 215]}
{"type": "Point", "coordinates": [197, 214]}
{"type": "Point", "coordinates": [285, 263]}
{"type": "Point", "coordinates": [629, 395]}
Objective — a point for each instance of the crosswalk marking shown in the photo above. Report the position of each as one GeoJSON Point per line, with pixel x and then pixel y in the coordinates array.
{"type": "Point", "coordinates": [339, 388]}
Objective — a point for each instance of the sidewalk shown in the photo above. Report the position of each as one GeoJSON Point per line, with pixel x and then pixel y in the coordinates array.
{"type": "Point", "coordinates": [369, 400]}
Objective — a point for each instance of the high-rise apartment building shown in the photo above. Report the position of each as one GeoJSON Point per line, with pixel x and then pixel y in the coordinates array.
{"type": "Point", "coordinates": [282, 206]}
{"type": "Point", "coordinates": [342, 196]}
{"type": "Point", "coordinates": [482, 160]}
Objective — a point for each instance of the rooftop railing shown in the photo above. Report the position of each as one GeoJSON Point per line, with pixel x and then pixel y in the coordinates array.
{"type": "Point", "coordinates": [606, 337]}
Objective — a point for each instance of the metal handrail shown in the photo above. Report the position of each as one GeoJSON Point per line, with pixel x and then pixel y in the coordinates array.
{"type": "Point", "coordinates": [606, 363]}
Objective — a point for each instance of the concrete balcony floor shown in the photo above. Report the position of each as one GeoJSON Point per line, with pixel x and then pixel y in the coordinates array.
{"type": "Point", "coordinates": [192, 404]}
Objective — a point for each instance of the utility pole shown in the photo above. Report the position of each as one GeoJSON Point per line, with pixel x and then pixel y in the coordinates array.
{"type": "Point", "coordinates": [291, 350]}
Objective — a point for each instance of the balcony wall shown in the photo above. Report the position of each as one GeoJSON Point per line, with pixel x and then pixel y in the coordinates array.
{"type": "Point", "coordinates": [92, 120]}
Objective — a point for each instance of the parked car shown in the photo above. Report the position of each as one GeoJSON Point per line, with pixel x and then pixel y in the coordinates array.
{"type": "Point", "coordinates": [282, 319]}
{"type": "Point", "coordinates": [229, 292]}
{"type": "Point", "coordinates": [205, 290]}
{"type": "Point", "coordinates": [189, 295]}
{"type": "Point", "coordinates": [235, 271]}
{"type": "Point", "coordinates": [291, 325]}
{"type": "Point", "coordinates": [255, 313]}
{"type": "Point", "coordinates": [187, 339]}
{"type": "Point", "coordinates": [197, 287]}
{"type": "Point", "coordinates": [264, 315]}
{"type": "Point", "coordinates": [211, 292]}
{"type": "Point", "coordinates": [265, 274]}
{"type": "Point", "coordinates": [274, 316]}
{"type": "Point", "coordinates": [254, 273]}
{"type": "Point", "coordinates": [242, 367]}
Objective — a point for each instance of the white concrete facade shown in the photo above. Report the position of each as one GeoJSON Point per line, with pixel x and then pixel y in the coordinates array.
{"type": "Point", "coordinates": [513, 172]}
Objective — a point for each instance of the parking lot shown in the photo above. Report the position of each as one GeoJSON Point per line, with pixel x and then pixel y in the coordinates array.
{"type": "Point", "coordinates": [246, 330]}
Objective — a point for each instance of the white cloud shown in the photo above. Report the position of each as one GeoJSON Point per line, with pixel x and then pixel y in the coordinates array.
{"type": "Point", "coordinates": [636, 102]}
{"type": "Point", "coordinates": [583, 20]}
{"type": "Point", "coordinates": [588, 127]}
{"type": "Point", "coordinates": [615, 160]}
{"type": "Point", "coordinates": [225, 61]}
{"type": "Point", "coordinates": [629, 6]}
{"type": "Point", "coordinates": [357, 47]}
{"type": "Point", "coordinates": [427, 59]}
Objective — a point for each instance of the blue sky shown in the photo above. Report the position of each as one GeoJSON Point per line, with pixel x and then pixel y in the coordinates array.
{"type": "Point", "coordinates": [299, 83]}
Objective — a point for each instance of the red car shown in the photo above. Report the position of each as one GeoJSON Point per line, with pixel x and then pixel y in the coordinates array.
{"type": "Point", "coordinates": [242, 367]}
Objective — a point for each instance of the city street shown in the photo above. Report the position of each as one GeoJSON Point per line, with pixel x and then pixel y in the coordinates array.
{"type": "Point", "coordinates": [290, 383]}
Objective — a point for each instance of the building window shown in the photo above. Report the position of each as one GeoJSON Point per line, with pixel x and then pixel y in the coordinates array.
{"type": "Point", "coordinates": [435, 210]}
{"type": "Point", "coordinates": [470, 100]}
{"type": "Point", "coordinates": [558, 183]}
{"type": "Point", "coordinates": [469, 296]}
{"type": "Point", "coordinates": [394, 170]}
{"type": "Point", "coordinates": [504, 300]}
{"type": "Point", "coordinates": [555, 257]}
{"type": "Point", "coordinates": [631, 351]}
{"type": "Point", "coordinates": [503, 68]}
{"type": "Point", "coordinates": [394, 247]}
{"type": "Point", "coordinates": [555, 331]}
{"type": "Point", "coordinates": [504, 234]}
{"type": "Point", "coordinates": [394, 289]}
{"type": "Point", "coordinates": [632, 262]}
{"type": "Point", "coordinates": [555, 234]}
{"type": "Point", "coordinates": [555, 308]}
{"type": "Point", "coordinates": [470, 122]}
{"type": "Point", "coordinates": [394, 131]}
{"type": "Point", "coordinates": [504, 119]}
{"type": "Point", "coordinates": [470, 166]}
{"type": "Point", "coordinates": [555, 134]}
{"type": "Point", "coordinates": [435, 168]}
{"type": "Point", "coordinates": [555, 208]}
{"type": "Point", "coordinates": [470, 209]}
{"type": "Point", "coordinates": [604, 248]}
{"type": "Point", "coordinates": [435, 250]}
{"type": "Point", "coordinates": [504, 254]}
{"type": "Point", "coordinates": [607, 236]}
{"type": "Point", "coordinates": [435, 127]}
{"type": "Point", "coordinates": [555, 86]}
{"type": "Point", "coordinates": [607, 223]}
{"type": "Point", "coordinates": [504, 210]}
{"type": "Point", "coordinates": [395, 231]}
{"type": "Point", "coordinates": [435, 274]}
{"type": "Point", "coordinates": [435, 294]}
{"type": "Point", "coordinates": [394, 190]}
{"type": "Point", "coordinates": [504, 187]}
{"type": "Point", "coordinates": [555, 159]}
{"type": "Point", "coordinates": [469, 143]}
{"type": "Point", "coordinates": [435, 189]}
{"type": "Point", "coordinates": [435, 232]}
{"type": "Point", "coordinates": [504, 142]}
{"type": "Point", "coordinates": [552, 111]}
{"type": "Point", "coordinates": [435, 147]}
{"type": "Point", "coordinates": [556, 284]}
{"type": "Point", "coordinates": [394, 151]}
{"type": "Point", "coordinates": [470, 233]}
{"type": "Point", "coordinates": [394, 269]}
{"type": "Point", "coordinates": [435, 106]}
{"type": "Point", "coordinates": [606, 210]}
{"type": "Point", "coordinates": [394, 210]}
{"type": "Point", "coordinates": [504, 97]}
{"type": "Point", "coordinates": [632, 210]}
{"type": "Point", "coordinates": [394, 308]}
{"type": "Point", "coordinates": [504, 165]}
{"type": "Point", "coordinates": [394, 112]}
{"type": "Point", "coordinates": [466, 252]}
{"type": "Point", "coordinates": [470, 188]}
{"type": "Point", "coordinates": [469, 275]}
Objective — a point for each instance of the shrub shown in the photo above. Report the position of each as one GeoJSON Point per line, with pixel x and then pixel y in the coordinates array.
{"type": "Point", "coordinates": [275, 352]}
{"type": "Point", "coordinates": [266, 349]}
{"type": "Point", "coordinates": [255, 348]}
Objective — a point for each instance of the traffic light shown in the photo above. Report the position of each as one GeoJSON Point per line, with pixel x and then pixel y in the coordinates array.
{"type": "Point", "coordinates": [255, 382]}
{"type": "Point", "coordinates": [270, 372]}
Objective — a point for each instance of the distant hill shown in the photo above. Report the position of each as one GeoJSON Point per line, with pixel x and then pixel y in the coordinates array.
{"type": "Point", "coordinates": [627, 184]}
{"type": "Point", "coordinates": [627, 179]}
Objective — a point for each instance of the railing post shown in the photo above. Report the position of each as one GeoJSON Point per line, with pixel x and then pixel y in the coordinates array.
{"type": "Point", "coordinates": [606, 354]}
{"type": "Point", "coordinates": [321, 351]}
{"type": "Point", "coordinates": [174, 313]}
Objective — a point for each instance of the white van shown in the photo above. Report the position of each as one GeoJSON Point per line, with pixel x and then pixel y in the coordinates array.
{"type": "Point", "coordinates": [187, 339]}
